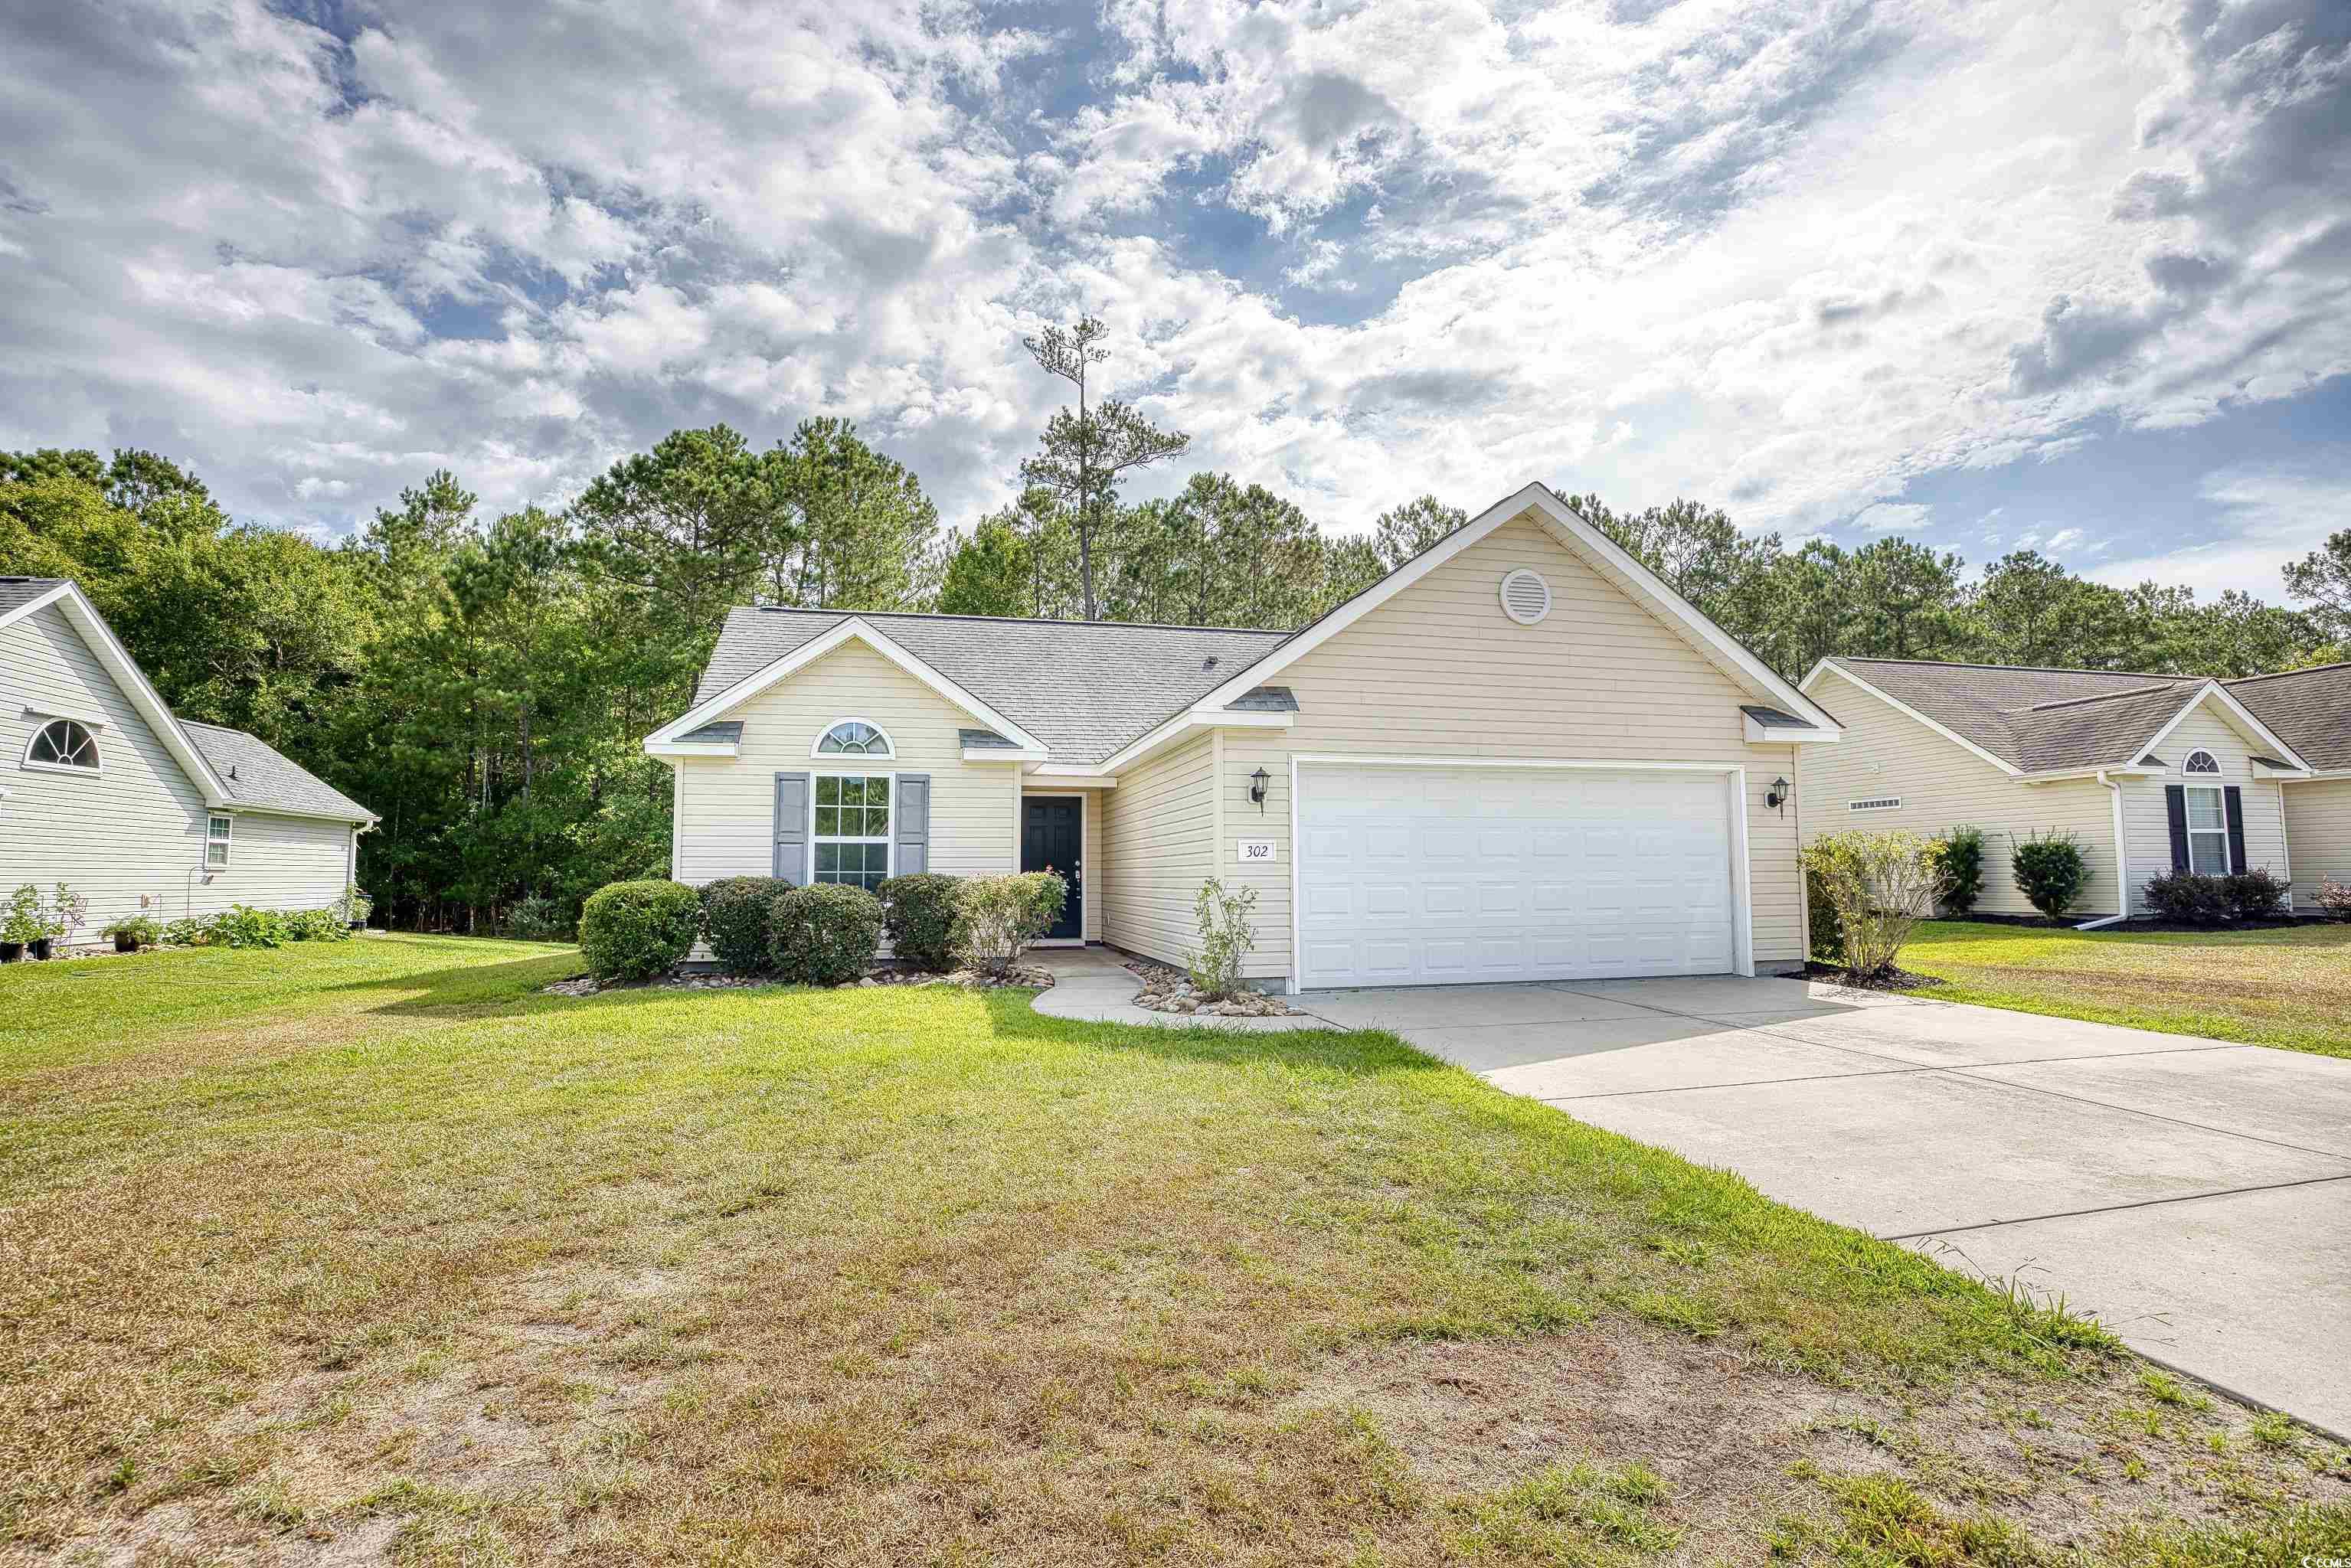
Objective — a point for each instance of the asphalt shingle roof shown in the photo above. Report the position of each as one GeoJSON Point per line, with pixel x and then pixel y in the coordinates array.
{"type": "Point", "coordinates": [1085, 688]}
{"type": "Point", "coordinates": [260, 776]}
{"type": "Point", "coordinates": [17, 590]}
{"type": "Point", "coordinates": [2053, 720]}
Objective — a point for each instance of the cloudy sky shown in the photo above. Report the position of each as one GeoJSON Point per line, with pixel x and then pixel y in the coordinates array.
{"type": "Point", "coordinates": [1991, 274]}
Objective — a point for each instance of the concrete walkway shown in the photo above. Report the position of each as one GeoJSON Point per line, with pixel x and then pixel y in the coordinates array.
{"type": "Point", "coordinates": [2196, 1195]}
{"type": "Point", "coordinates": [1094, 985]}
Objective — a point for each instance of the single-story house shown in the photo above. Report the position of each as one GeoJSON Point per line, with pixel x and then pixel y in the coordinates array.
{"type": "Point", "coordinates": [143, 811]}
{"type": "Point", "coordinates": [2149, 773]}
{"type": "Point", "coordinates": [1519, 757]}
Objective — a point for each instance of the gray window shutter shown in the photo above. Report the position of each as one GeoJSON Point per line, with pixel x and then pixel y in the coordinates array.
{"type": "Point", "coordinates": [2236, 799]}
{"type": "Point", "coordinates": [792, 828]}
{"type": "Point", "coordinates": [911, 813]}
{"type": "Point", "coordinates": [2174, 806]}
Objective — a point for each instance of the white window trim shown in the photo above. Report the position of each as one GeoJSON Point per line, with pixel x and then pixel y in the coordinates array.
{"type": "Point", "coordinates": [2205, 751]}
{"type": "Point", "coordinates": [889, 840]}
{"type": "Point", "coordinates": [94, 725]}
{"type": "Point", "coordinates": [2221, 799]}
{"type": "Point", "coordinates": [26, 762]}
{"type": "Point", "coordinates": [225, 841]}
{"type": "Point", "coordinates": [1876, 803]}
{"type": "Point", "coordinates": [817, 751]}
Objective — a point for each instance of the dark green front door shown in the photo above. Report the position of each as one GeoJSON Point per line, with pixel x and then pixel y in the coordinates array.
{"type": "Point", "coordinates": [1052, 838]}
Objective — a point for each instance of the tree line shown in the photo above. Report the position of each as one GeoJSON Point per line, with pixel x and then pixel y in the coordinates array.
{"type": "Point", "coordinates": [485, 682]}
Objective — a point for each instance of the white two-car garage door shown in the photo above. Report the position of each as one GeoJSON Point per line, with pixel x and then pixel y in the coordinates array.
{"type": "Point", "coordinates": [1412, 875]}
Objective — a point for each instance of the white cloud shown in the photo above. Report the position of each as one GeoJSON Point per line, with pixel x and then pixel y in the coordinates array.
{"type": "Point", "coordinates": [1893, 517]}
{"type": "Point", "coordinates": [2273, 515]}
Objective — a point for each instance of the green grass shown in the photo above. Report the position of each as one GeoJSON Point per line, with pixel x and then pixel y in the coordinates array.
{"type": "Point", "coordinates": [2289, 987]}
{"type": "Point", "coordinates": [375, 1237]}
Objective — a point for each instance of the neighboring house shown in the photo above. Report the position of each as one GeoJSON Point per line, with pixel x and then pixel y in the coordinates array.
{"type": "Point", "coordinates": [144, 813]}
{"type": "Point", "coordinates": [1517, 756]}
{"type": "Point", "coordinates": [2149, 773]}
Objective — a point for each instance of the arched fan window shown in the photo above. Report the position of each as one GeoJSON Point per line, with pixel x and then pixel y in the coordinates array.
{"type": "Point", "coordinates": [853, 737]}
{"type": "Point", "coordinates": [2201, 762]}
{"type": "Point", "coordinates": [63, 743]}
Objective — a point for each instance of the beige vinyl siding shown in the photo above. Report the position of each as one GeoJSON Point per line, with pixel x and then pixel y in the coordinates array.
{"type": "Point", "coordinates": [725, 806]}
{"type": "Point", "coordinates": [2148, 822]}
{"type": "Point", "coordinates": [1093, 871]}
{"type": "Point", "coordinates": [1439, 671]}
{"type": "Point", "coordinates": [1943, 785]}
{"type": "Point", "coordinates": [136, 829]}
{"type": "Point", "coordinates": [2318, 835]}
{"type": "Point", "coordinates": [1155, 850]}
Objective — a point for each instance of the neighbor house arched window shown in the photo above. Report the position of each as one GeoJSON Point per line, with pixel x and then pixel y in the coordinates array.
{"type": "Point", "coordinates": [65, 744]}
{"type": "Point", "coordinates": [853, 737]}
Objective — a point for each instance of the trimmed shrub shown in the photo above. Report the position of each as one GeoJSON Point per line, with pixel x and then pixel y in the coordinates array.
{"type": "Point", "coordinates": [919, 913]}
{"type": "Point", "coordinates": [2335, 899]}
{"type": "Point", "coordinates": [1228, 936]}
{"type": "Point", "coordinates": [1881, 885]}
{"type": "Point", "coordinates": [825, 935]}
{"type": "Point", "coordinates": [537, 919]}
{"type": "Point", "coordinates": [735, 920]}
{"type": "Point", "coordinates": [2188, 897]}
{"type": "Point", "coordinates": [2050, 872]}
{"type": "Point", "coordinates": [638, 930]}
{"type": "Point", "coordinates": [998, 916]}
{"type": "Point", "coordinates": [2254, 895]}
{"type": "Point", "coordinates": [1826, 933]}
{"type": "Point", "coordinates": [1963, 860]}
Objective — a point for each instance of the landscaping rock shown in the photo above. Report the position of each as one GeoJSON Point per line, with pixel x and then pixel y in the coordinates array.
{"type": "Point", "coordinates": [1166, 990]}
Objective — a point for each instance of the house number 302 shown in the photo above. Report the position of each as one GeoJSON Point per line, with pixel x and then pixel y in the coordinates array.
{"type": "Point", "coordinates": [1257, 852]}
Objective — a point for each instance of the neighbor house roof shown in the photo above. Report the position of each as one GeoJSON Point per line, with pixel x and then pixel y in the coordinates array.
{"type": "Point", "coordinates": [260, 776]}
{"type": "Point", "coordinates": [1084, 687]}
{"type": "Point", "coordinates": [2050, 721]}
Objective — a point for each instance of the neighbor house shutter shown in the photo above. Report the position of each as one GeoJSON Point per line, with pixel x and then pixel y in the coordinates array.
{"type": "Point", "coordinates": [911, 852]}
{"type": "Point", "coordinates": [2175, 805]}
{"type": "Point", "coordinates": [2236, 799]}
{"type": "Point", "coordinates": [792, 828]}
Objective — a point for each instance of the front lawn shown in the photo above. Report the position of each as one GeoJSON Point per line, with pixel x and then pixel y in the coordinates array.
{"type": "Point", "coordinates": [375, 1249]}
{"type": "Point", "coordinates": [2289, 987]}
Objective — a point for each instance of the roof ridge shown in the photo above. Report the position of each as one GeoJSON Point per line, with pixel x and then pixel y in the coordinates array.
{"type": "Point", "coordinates": [2021, 669]}
{"type": "Point", "coordinates": [2096, 698]}
{"type": "Point", "coordinates": [1015, 620]}
{"type": "Point", "coordinates": [2278, 674]}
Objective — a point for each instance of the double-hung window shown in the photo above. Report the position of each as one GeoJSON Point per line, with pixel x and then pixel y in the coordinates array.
{"type": "Point", "coordinates": [852, 829]}
{"type": "Point", "coordinates": [216, 831]}
{"type": "Point", "coordinates": [2208, 830]}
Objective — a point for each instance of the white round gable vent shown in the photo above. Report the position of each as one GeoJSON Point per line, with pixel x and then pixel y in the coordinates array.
{"type": "Point", "coordinates": [1526, 597]}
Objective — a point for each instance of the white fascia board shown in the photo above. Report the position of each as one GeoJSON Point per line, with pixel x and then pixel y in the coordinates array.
{"type": "Point", "coordinates": [1004, 754]}
{"type": "Point", "coordinates": [1073, 779]}
{"type": "Point", "coordinates": [133, 684]}
{"type": "Point", "coordinates": [2212, 691]}
{"type": "Point", "coordinates": [2263, 770]}
{"type": "Point", "coordinates": [1573, 534]}
{"type": "Point", "coordinates": [1898, 706]}
{"type": "Point", "coordinates": [1759, 734]}
{"type": "Point", "coordinates": [693, 748]}
{"type": "Point", "coordinates": [817, 648]}
{"type": "Point", "coordinates": [2064, 775]}
{"type": "Point", "coordinates": [1184, 725]}
{"type": "Point", "coordinates": [241, 809]}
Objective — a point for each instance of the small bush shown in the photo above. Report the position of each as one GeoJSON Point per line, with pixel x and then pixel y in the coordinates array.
{"type": "Point", "coordinates": [2050, 872]}
{"type": "Point", "coordinates": [825, 935]}
{"type": "Point", "coordinates": [537, 919]}
{"type": "Point", "coordinates": [2335, 899]}
{"type": "Point", "coordinates": [240, 926]}
{"type": "Point", "coordinates": [998, 916]}
{"type": "Point", "coordinates": [26, 920]}
{"type": "Point", "coordinates": [736, 921]}
{"type": "Point", "coordinates": [318, 925]}
{"type": "Point", "coordinates": [1826, 933]}
{"type": "Point", "coordinates": [2188, 897]}
{"type": "Point", "coordinates": [186, 934]}
{"type": "Point", "coordinates": [1963, 861]}
{"type": "Point", "coordinates": [638, 930]}
{"type": "Point", "coordinates": [2254, 895]}
{"type": "Point", "coordinates": [1880, 885]}
{"type": "Point", "coordinates": [143, 930]}
{"type": "Point", "coordinates": [919, 913]}
{"type": "Point", "coordinates": [1228, 936]}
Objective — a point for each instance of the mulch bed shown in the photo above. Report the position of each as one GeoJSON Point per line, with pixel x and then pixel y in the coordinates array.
{"type": "Point", "coordinates": [1889, 979]}
{"type": "Point", "coordinates": [1020, 975]}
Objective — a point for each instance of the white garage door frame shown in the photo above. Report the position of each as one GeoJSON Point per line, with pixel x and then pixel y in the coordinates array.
{"type": "Point", "coordinates": [1734, 776]}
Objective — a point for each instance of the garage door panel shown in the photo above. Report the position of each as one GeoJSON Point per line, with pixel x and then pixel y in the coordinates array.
{"type": "Point", "coordinates": [1429, 876]}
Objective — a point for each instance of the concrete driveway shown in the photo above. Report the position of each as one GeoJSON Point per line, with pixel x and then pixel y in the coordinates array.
{"type": "Point", "coordinates": [2196, 1195]}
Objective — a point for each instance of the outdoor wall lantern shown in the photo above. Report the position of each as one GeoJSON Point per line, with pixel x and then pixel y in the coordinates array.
{"type": "Point", "coordinates": [1258, 782]}
{"type": "Point", "coordinates": [1777, 796]}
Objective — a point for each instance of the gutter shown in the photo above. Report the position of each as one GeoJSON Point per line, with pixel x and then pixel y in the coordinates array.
{"type": "Point", "coordinates": [2122, 862]}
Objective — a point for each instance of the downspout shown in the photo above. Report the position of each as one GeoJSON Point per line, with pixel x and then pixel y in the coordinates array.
{"type": "Point", "coordinates": [2122, 862]}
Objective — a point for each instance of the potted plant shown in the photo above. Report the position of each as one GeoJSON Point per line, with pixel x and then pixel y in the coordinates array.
{"type": "Point", "coordinates": [356, 906]}
{"type": "Point", "coordinates": [64, 915]}
{"type": "Point", "coordinates": [133, 934]}
{"type": "Point", "coordinates": [22, 925]}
